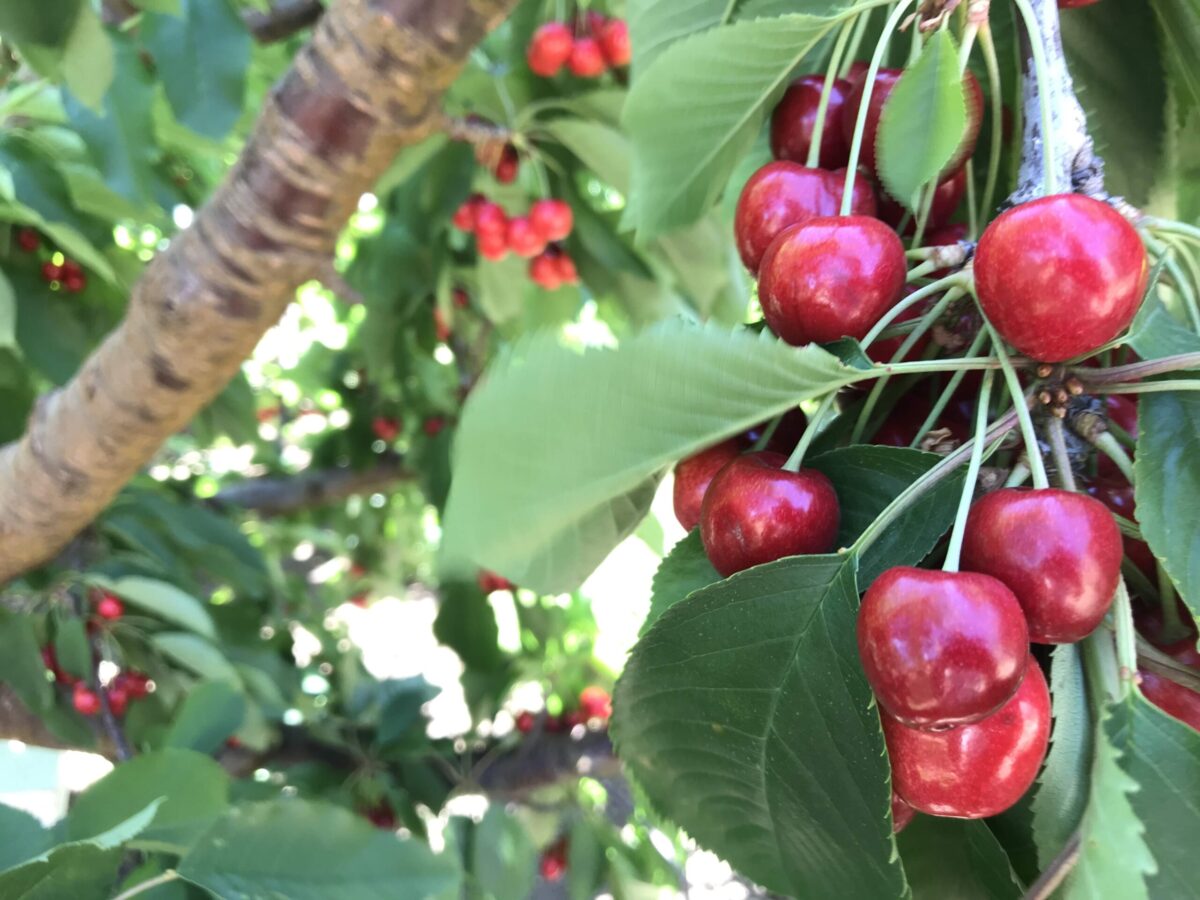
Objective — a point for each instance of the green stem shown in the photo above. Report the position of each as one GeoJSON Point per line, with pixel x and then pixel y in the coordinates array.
{"type": "Point", "coordinates": [1062, 459]}
{"type": "Point", "coordinates": [1183, 284]}
{"type": "Point", "coordinates": [149, 884]}
{"type": "Point", "coordinates": [1107, 444]}
{"type": "Point", "coordinates": [921, 270]}
{"type": "Point", "coordinates": [1126, 637]}
{"type": "Point", "coordinates": [1032, 451]}
{"type": "Point", "coordinates": [835, 60]}
{"type": "Point", "coordinates": [973, 212]}
{"type": "Point", "coordinates": [968, 42]}
{"type": "Point", "coordinates": [1018, 476]}
{"type": "Point", "coordinates": [1168, 226]}
{"type": "Point", "coordinates": [1101, 666]}
{"type": "Point", "coordinates": [1049, 140]}
{"type": "Point", "coordinates": [1151, 387]}
{"type": "Point", "coordinates": [954, 552]}
{"type": "Point", "coordinates": [810, 433]}
{"type": "Point", "coordinates": [911, 300]}
{"type": "Point", "coordinates": [1172, 624]}
{"type": "Point", "coordinates": [923, 213]}
{"type": "Point", "coordinates": [860, 31]}
{"type": "Point", "coordinates": [997, 141]}
{"type": "Point", "coordinates": [1161, 366]}
{"type": "Point", "coordinates": [947, 393]}
{"type": "Point", "coordinates": [768, 433]}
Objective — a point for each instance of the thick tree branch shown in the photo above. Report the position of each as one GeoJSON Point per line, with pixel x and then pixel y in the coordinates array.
{"type": "Point", "coordinates": [369, 83]}
{"type": "Point", "coordinates": [270, 496]}
{"type": "Point", "coordinates": [283, 19]}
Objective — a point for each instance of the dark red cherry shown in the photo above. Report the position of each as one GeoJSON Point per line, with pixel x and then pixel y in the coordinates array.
{"type": "Point", "coordinates": [862, 197]}
{"type": "Point", "coordinates": [1060, 276]}
{"type": "Point", "coordinates": [1174, 699]}
{"type": "Point", "coordinates": [693, 476]}
{"type": "Point", "coordinates": [941, 648]}
{"type": "Point", "coordinates": [779, 194]}
{"type": "Point", "coordinates": [1058, 552]}
{"type": "Point", "coordinates": [525, 722]}
{"type": "Point", "coordinates": [1122, 411]}
{"type": "Point", "coordinates": [946, 197]}
{"type": "Point", "coordinates": [945, 237]}
{"type": "Point", "coordinates": [1117, 495]}
{"type": "Point", "coordinates": [830, 277]}
{"type": "Point", "coordinates": [975, 770]}
{"type": "Point", "coordinates": [755, 512]}
{"type": "Point", "coordinates": [786, 435]}
{"type": "Point", "coordinates": [794, 119]}
{"type": "Point", "coordinates": [902, 814]}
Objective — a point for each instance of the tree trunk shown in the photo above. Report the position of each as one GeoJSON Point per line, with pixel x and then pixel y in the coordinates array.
{"type": "Point", "coordinates": [368, 84]}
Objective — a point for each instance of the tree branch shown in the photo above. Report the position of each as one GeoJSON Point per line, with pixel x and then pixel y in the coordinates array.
{"type": "Point", "coordinates": [368, 84]}
{"type": "Point", "coordinates": [272, 496]}
{"type": "Point", "coordinates": [283, 19]}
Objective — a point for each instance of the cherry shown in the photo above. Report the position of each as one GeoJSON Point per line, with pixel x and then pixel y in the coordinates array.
{"type": "Point", "coordinates": [1060, 276]}
{"type": "Point", "coordinates": [135, 684]}
{"type": "Point", "coordinates": [490, 219]}
{"type": "Point", "coordinates": [551, 219]}
{"type": "Point", "coordinates": [975, 770]}
{"type": "Point", "coordinates": [50, 660]}
{"type": "Point", "coordinates": [614, 42]}
{"type": "Point", "coordinates": [902, 814]}
{"type": "Point", "coordinates": [595, 703]}
{"type": "Point", "coordinates": [693, 476]}
{"type": "Point", "coordinates": [361, 599]}
{"type": "Point", "coordinates": [74, 284]}
{"type": "Point", "coordinates": [1058, 552]}
{"type": "Point", "coordinates": [118, 699]}
{"type": "Point", "coordinates": [490, 581]}
{"type": "Point", "coordinates": [1075, 4]}
{"type": "Point", "coordinates": [1174, 699]}
{"type": "Point", "coordinates": [51, 271]}
{"type": "Point", "coordinates": [441, 328]}
{"type": "Point", "coordinates": [523, 238]}
{"type": "Point", "coordinates": [386, 428]}
{"type": "Point", "coordinates": [947, 236]}
{"type": "Point", "coordinates": [587, 59]}
{"type": "Point", "coordinates": [830, 277]}
{"type": "Point", "coordinates": [464, 216]}
{"type": "Point", "coordinates": [492, 247]}
{"type": "Point", "coordinates": [109, 607]}
{"type": "Point", "coordinates": [946, 197]}
{"type": "Point", "coordinates": [779, 194]}
{"type": "Point", "coordinates": [460, 298]}
{"type": "Point", "coordinates": [525, 722]}
{"type": "Point", "coordinates": [28, 239]}
{"type": "Point", "coordinates": [941, 648]}
{"type": "Point", "coordinates": [543, 271]}
{"type": "Point", "coordinates": [433, 426]}
{"type": "Point", "coordinates": [857, 72]}
{"type": "Point", "coordinates": [786, 435]}
{"type": "Point", "coordinates": [567, 273]}
{"type": "Point", "coordinates": [85, 700]}
{"type": "Point", "coordinates": [755, 512]}
{"type": "Point", "coordinates": [508, 166]}
{"type": "Point", "coordinates": [1117, 495]}
{"type": "Point", "coordinates": [381, 815]}
{"type": "Point", "coordinates": [862, 195]}
{"type": "Point", "coordinates": [549, 49]}
{"type": "Point", "coordinates": [553, 864]}
{"type": "Point", "coordinates": [1123, 411]}
{"type": "Point", "coordinates": [357, 570]}
{"type": "Point", "coordinates": [794, 120]}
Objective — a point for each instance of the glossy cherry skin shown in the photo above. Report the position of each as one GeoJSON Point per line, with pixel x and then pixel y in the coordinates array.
{"type": "Point", "coordinates": [779, 194]}
{"type": "Point", "coordinates": [902, 814]}
{"type": "Point", "coordinates": [552, 219]}
{"type": "Point", "coordinates": [862, 197]}
{"type": "Point", "coordinates": [1174, 699]}
{"type": "Point", "coordinates": [946, 197]}
{"type": "Point", "coordinates": [85, 700]}
{"type": "Point", "coordinates": [693, 476]}
{"type": "Point", "coordinates": [1117, 495]}
{"type": "Point", "coordinates": [755, 512]}
{"type": "Point", "coordinates": [1060, 276]}
{"type": "Point", "coordinates": [587, 59]}
{"type": "Point", "coordinates": [941, 648]}
{"type": "Point", "coordinates": [976, 770]}
{"type": "Point", "coordinates": [109, 607]}
{"type": "Point", "coordinates": [830, 277]}
{"type": "Point", "coordinates": [1058, 552]}
{"type": "Point", "coordinates": [550, 49]}
{"type": "Point", "coordinates": [794, 119]}
{"type": "Point", "coordinates": [614, 42]}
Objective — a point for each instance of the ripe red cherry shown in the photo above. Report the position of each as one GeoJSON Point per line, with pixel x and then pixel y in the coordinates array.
{"type": "Point", "coordinates": [1174, 699]}
{"type": "Point", "coordinates": [902, 814]}
{"type": "Point", "coordinates": [433, 425]}
{"type": "Point", "coordinates": [493, 247]}
{"type": "Point", "coordinates": [490, 581]}
{"type": "Point", "coordinates": [74, 284]}
{"type": "Point", "coordinates": [794, 119]}
{"type": "Point", "coordinates": [567, 273]}
{"type": "Point", "coordinates": [550, 49]}
{"type": "Point", "coordinates": [941, 648]}
{"type": "Point", "coordinates": [947, 236]}
{"type": "Point", "coordinates": [51, 271]}
{"type": "Point", "coordinates": [1117, 494]}
{"type": "Point", "coordinates": [109, 607]}
{"type": "Point", "coordinates": [1060, 276]}
{"type": "Point", "coordinates": [118, 699]}
{"type": "Point", "coordinates": [490, 220]}
{"type": "Point", "coordinates": [1122, 411]}
{"type": "Point", "coordinates": [587, 59]}
{"type": "Point", "coordinates": [755, 512]}
{"type": "Point", "coordinates": [523, 238]}
{"type": "Point", "coordinates": [946, 197]}
{"type": "Point", "coordinates": [595, 703]}
{"type": "Point", "coordinates": [525, 722]}
{"type": "Point", "coordinates": [464, 217]}
{"type": "Point", "coordinates": [28, 239]}
{"type": "Point", "coordinates": [862, 196]}
{"type": "Point", "coordinates": [1058, 552]}
{"type": "Point", "coordinates": [382, 816]}
{"type": "Point", "coordinates": [386, 428]}
{"type": "Point", "coordinates": [135, 684]}
{"type": "Point", "coordinates": [614, 42]}
{"type": "Point", "coordinates": [543, 271]}
{"type": "Point", "coordinates": [553, 864]}
{"type": "Point", "coordinates": [906, 418]}
{"type": "Point", "coordinates": [778, 195]}
{"type": "Point", "coordinates": [976, 770]}
{"type": "Point", "coordinates": [552, 219]}
{"type": "Point", "coordinates": [85, 700]}
{"type": "Point", "coordinates": [508, 166]}
{"type": "Point", "coordinates": [693, 476]}
{"type": "Point", "coordinates": [830, 277]}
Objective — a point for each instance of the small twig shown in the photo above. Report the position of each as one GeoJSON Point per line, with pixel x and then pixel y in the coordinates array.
{"type": "Point", "coordinates": [149, 884]}
{"type": "Point", "coordinates": [1060, 867]}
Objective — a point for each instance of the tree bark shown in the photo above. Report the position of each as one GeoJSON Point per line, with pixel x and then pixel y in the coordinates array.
{"type": "Point", "coordinates": [368, 84]}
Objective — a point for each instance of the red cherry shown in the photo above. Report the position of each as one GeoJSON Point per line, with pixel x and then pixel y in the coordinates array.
{"type": "Point", "coordinates": [525, 722]}
{"type": "Point", "coordinates": [464, 216]}
{"type": "Point", "coordinates": [433, 425]}
{"type": "Point", "coordinates": [28, 239]}
{"type": "Point", "coordinates": [1075, 4]}
{"type": "Point", "coordinates": [779, 194]}
{"type": "Point", "coordinates": [614, 43]}
{"type": "Point", "coordinates": [1058, 552]}
{"type": "Point", "coordinates": [946, 236]}
{"type": "Point", "coordinates": [85, 700]}
{"type": "Point", "coordinates": [756, 512]}
{"type": "Point", "coordinates": [862, 196]}
{"type": "Point", "coordinates": [567, 273]}
{"type": "Point", "coordinates": [1117, 495]}
{"type": "Point", "coordinates": [587, 59]}
{"type": "Point", "coordinates": [233, 742]}
{"type": "Point", "coordinates": [906, 418]}
{"type": "Point", "coordinates": [693, 476]}
{"type": "Point", "coordinates": [941, 648]}
{"type": "Point", "coordinates": [553, 864]}
{"type": "Point", "coordinates": [74, 284]}
{"type": "Point", "coordinates": [552, 219]}
{"type": "Point", "coordinates": [594, 22]}
{"type": "Point", "coordinates": [460, 298]}
{"type": "Point", "coordinates": [523, 238]}
{"type": "Point", "coordinates": [794, 119]}
{"type": "Point", "coordinates": [1060, 276]}
{"type": "Point", "coordinates": [1174, 699]}
{"type": "Point", "coordinates": [595, 703]}
{"type": "Point", "coordinates": [550, 49]}
{"type": "Point", "coordinates": [543, 271]}
{"type": "Point", "coordinates": [946, 197]}
{"type": "Point", "coordinates": [71, 269]}
{"type": "Point", "coordinates": [976, 770]}
{"type": "Point", "coordinates": [51, 272]}
{"type": "Point", "coordinates": [382, 816]}
{"type": "Point", "coordinates": [493, 247]}
{"type": "Point", "coordinates": [386, 428]}
{"type": "Point", "coordinates": [831, 277]}
{"type": "Point", "coordinates": [508, 166]}
{"type": "Point", "coordinates": [109, 607]}
{"type": "Point", "coordinates": [902, 814]}
{"type": "Point", "coordinates": [118, 699]}
{"type": "Point", "coordinates": [490, 220]}
{"type": "Point", "coordinates": [135, 684]}
{"type": "Point", "coordinates": [490, 581]}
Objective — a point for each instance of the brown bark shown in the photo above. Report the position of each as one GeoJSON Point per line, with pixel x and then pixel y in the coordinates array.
{"type": "Point", "coordinates": [283, 19]}
{"type": "Point", "coordinates": [368, 84]}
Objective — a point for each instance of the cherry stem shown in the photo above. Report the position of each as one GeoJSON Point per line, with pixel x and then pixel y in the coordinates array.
{"type": "Point", "coordinates": [835, 61]}
{"type": "Point", "coordinates": [973, 213]}
{"type": "Point", "coordinates": [1172, 624]}
{"type": "Point", "coordinates": [810, 433]}
{"type": "Point", "coordinates": [1108, 444]}
{"type": "Point", "coordinates": [1137, 370]}
{"type": "Point", "coordinates": [1152, 387]}
{"type": "Point", "coordinates": [1122, 613]}
{"type": "Point", "coordinates": [1018, 476]}
{"type": "Point", "coordinates": [954, 551]}
{"type": "Point", "coordinates": [1154, 660]}
{"type": "Point", "coordinates": [921, 270]}
{"type": "Point", "coordinates": [768, 433]}
{"type": "Point", "coordinates": [1058, 869]}
{"type": "Point", "coordinates": [923, 213]}
{"type": "Point", "coordinates": [149, 884]}
{"type": "Point", "coordinates": [1101, 667]}
{"type": "Point", "coordinates": [908, 302]}
{"type": "Point", "coordinates": [947, 393]}
{"type": "Point", "coordinates": [860, 30]}
{"type": "Point", "coordinates": [1178, 244]}
{"type": "Point", "coordinates": [997, 136]}
{"type": "Point", "coordinates": [1168, 226]}
{"type": "Point", "coordinates": [1033, 452]}
{"type": "Point", "coordinates": [1062, 459]}
{"type": "Point", "coordinates": [860, 123]}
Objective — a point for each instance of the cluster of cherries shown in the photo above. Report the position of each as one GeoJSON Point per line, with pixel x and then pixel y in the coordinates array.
{"type": "Point", "coordinates": [588, 52]}
{"type": "Point", "coordinates": [388, 428]}
{"type": "Point", "coordinates": [534, 236]}
{"type": "Point", "coordinates": [595, 705]}
{"type": "Point", "coordinates": [68, 274]}
{"type": "Point", "coordinates": [122, 689]}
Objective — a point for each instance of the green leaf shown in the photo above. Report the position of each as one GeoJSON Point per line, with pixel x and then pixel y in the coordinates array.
{"type": "Point", "coordinates": [656, 24]}
{"type": "Point", "coordinates": [1167, 488]}
{"type": "Point", "coordinates": [196, 654]}
{"type": "Point", "coordinates": [697, 109]}
{"type": "Point", "coordinates": [401, 710]}
{"type": "Point", "coordinates": [503, 288]}
{"type": "Point", "coordinates": [1113, 856]}
{"type": "Point", "coordinates": [121, 140]}
{"type": "Point", "coordinates": [745, 715]}
{"type": "Point", "coordinates": [602, 149]}
{"type": "Point", "coordinates": [21, 666]}
{"type": "Point", "coordinates": [47, 24]}
{"type": "Point", "coordinates": [684, 570]}
{"type": "Point", "coordinates": [22, 837]}
{"type": "Point", "coordinates": [1179, 26]}
{"type": "Point", "coordinates": [1156, 333]}
{"type": "Point", "coordinates": [194, 790]}
{"type": "Point", "coordinates": [505, 858]}
{"type": "Point", "coordinates": [73, 872]}
{"type": "Point", "coordinates": [466, 623]}
{"type": "Point", "coordinates": [314, 851]}
{"type": "Point", "coordinates": [924, 121]}
{"type": "Point", "coordinates": [202, 57]}
{"type": "Point", "coordinates": [8, 314]}
{"type": "Point", "coordinates": [949, 859]}
{"type": "Point", "coordinates": [582, 485]}
{"type": "Point", "coordinates": [1061, 796]}
{"type": "Point", "coordinates": [211, 712]}
{"type": "Point", "coordinates": [161, 599]}
{"type": "Point", "coordinates": [88, 63]}
{"type": "Point", "coordinates": [71, 647]}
